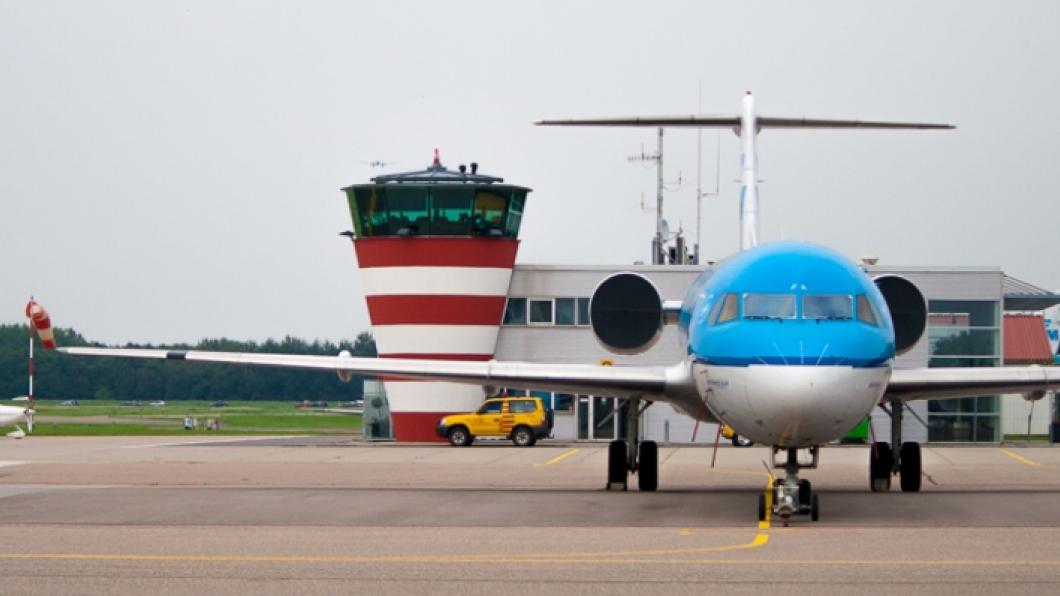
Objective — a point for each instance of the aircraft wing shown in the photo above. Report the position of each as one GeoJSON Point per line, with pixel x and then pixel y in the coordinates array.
{"type": "Point", "coordinates": [656, 383]}
{"type": "Point", "coordinates": [942, 383]}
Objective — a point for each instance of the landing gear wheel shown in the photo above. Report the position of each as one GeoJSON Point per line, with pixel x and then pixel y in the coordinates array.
{"type": "Point", "coordinates": [761, 507]}
{"type": "Point", "coordinates": [815, 508]}
{"type": "Point", "coordinates": [909, 467]}
{"type": "Point", "coordinates": [805, 492]}
{"type": "Point", "coordinates": [459, 437]}
{"type": "Point", "coordinates": [881, 459]}
{"type": "Point", "coordinates": [617, 470]}
{"type": "Point", "coordinates": [648, 466]}
{"type": "Point", "coordinates": [522, 436]}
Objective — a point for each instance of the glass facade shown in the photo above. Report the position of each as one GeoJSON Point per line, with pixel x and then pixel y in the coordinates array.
{"type": "Point", "coordinates": [436, 210]}
{"type": "Point", "coordinates": [964, 333]}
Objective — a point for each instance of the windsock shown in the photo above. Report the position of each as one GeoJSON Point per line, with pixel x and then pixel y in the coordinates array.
{"type": "Point", "coordinates": [39, 320]}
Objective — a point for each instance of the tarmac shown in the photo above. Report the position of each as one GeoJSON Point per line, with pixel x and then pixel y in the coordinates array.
{"type": "Point", "coordinates": [174, 515]}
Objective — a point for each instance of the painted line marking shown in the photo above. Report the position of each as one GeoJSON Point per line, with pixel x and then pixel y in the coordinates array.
{"type": "Point", "coordinates": [558, 458]}
{"type": "Point", "coordinates": [764, 524]}
{"type": "Point", "coordinates": [555, 560]}
{"type": "Point", "coordinates": [12, 463]}
{"type": "Point", "coordinates": [546, 558]}
{"type": "Point", "coordinates": [202, 442]}
{"type": "Point", "coordinates": [1021, 459]}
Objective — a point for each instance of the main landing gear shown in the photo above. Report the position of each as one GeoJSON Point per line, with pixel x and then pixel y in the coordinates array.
{"type": "Point", "coordinates": [792, 495]}
{"type": "Point", "coordinates": [633, 455]}
{"type": "Point", "coordinates": [884, 462]}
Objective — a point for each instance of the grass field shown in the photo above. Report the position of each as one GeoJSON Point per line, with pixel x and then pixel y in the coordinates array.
{"type": "Point", "coordinates": [238, 418]}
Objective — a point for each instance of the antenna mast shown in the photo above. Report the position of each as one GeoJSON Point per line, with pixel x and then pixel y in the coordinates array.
{"type": "Point", "coordinates": [699, 175]}
{"type": "Point", "coordinates": [657, 257]}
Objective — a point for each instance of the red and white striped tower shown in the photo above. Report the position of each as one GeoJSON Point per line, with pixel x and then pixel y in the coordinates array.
{"type": "Point", "coordinates": [436, 250]}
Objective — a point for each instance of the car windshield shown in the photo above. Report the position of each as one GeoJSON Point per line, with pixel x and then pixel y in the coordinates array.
{"type": "Point", "coordinates": [827, 307]}
{"type": "Point", "coordinates": [769, 306]}
{"type": "Point", "coordinates": [493, 407]}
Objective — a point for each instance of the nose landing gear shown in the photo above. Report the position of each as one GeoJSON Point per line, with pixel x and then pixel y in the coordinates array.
{"type": "Point", "coordinates": [792, 495]}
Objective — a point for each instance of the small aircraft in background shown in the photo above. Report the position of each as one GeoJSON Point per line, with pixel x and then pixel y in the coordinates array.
{"type": "Point", "coordinates": [378, 163]}
{"type": "Point", "coordinates": [12, 415]}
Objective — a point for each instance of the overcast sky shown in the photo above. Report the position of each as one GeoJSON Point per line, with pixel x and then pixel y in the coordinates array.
{"type": "Point", "coordinates": [171, 171]}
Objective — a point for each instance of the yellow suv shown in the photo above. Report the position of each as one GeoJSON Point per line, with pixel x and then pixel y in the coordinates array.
{"type": "Point", "coordinates": [524, 420]}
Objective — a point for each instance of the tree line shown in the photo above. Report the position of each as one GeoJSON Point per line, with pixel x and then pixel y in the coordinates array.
{"type": "Point", "coordinates": [59, 376]}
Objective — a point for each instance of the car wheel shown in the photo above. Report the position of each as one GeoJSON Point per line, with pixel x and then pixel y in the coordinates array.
{"type": "Point", "coordinates": [522, 436]}
{"type": "Point", "coordinates": [459, 437]}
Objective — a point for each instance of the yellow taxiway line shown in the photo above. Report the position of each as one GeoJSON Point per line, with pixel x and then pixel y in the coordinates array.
{"type": "Point", "coordinates": [1021, 459]}
{"type": "Point", "coordinates": [559, 457]}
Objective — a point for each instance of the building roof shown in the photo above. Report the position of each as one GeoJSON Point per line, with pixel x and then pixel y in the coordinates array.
{"type": "Point", "coordinates": [1020, 295]}
{"type": "Point", "coordinates": [1025, 340]}
{"type": "Point", "coordinates": [436, 172]}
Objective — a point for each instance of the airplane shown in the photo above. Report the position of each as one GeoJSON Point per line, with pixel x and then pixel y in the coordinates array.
{"type": "Point", "coordinates": [378, 163]}
{"type": "Point", "coordinates": [790, 343]}
{"type": "Point", "coordinates": [12, 415]}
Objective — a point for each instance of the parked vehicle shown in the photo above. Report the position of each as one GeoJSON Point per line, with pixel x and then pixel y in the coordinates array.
{"type": "Point", "coordinates": [523, 420]}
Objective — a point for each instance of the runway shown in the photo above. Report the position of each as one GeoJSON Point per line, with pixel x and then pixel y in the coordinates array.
{"type": "Point", "coordinates": [176, 515]}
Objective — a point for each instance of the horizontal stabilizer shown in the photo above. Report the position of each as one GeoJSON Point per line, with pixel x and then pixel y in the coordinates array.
{"type": "Point", "coordinates": [694, 121]}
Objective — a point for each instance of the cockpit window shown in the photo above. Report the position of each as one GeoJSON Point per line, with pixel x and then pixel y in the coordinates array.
{"type": "Point", "coordinates": [830, 307]}
{"type": "Point", "coordinates": [729, 309]}
{"type": "Point", "coordinates": [768, 306]}
{"type": "Point", "coordinates": [866, 311]}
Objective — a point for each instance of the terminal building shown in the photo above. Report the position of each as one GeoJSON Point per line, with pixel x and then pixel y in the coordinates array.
{"type": "Point", "coordinates": [436, 251]}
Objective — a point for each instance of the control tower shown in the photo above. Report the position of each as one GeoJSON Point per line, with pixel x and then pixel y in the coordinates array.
{"type": "Point", "coordinates": [436, 250]}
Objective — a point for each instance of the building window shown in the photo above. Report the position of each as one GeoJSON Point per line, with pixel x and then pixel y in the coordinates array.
{"type": "Point", "coordinates": [561, 312]}
{"type": "Point", "coordinates": [515, 312]}
{"type": "Point", "coordinates": [964, 333]}
{"type": "Point", "coordinates": [540, 311]}
{"type": "Point", "coordinates": [564, 403]}
{"type": "Point", "coordinates": [564, 311]}
{"type": "Point", "coordinates": [583, 311]}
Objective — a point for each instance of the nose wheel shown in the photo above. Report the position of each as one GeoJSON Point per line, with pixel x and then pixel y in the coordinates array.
{"type": "Point", "coordinates": [792, 495]}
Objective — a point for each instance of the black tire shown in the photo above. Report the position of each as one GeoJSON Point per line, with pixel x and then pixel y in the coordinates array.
{"type": "Point", "coordinates": [648, 468]}
{"type": "Point", "coordinates": [805, 494]}
{"type": "Point", "coordinates": [523, 436]}
{"type": "Point", "coordinates": [761, 507]}
{"type": "Point", "coordinates": [617, 471]}
{"type": "Point", "coordinates": [909, 467]}
{"type": "Point", "coordinates": [459, 436]}
{"type": "Point", "coordinates": [815, 508]}
{"type": "Point", "coordinates": [881, 459]}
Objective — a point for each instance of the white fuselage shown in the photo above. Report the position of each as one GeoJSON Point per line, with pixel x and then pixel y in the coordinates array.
{"type": "Point", "coordinates": [791, 406]}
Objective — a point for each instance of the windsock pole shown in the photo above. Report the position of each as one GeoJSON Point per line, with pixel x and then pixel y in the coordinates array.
{"type": "Point", "coordinates": [30, 394]}
{"type": "Point", "coordinates": [41, 324]}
